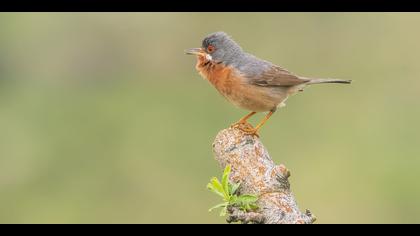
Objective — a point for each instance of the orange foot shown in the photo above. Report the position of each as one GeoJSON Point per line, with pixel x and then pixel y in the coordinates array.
{"type": "Point", "coordinates": [240, 124]}
{"type": "Point", "coordinates": [246, 128]}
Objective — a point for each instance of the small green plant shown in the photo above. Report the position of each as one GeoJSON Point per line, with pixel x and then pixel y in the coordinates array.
{"type": "Point", "coordinates": [228, 192]}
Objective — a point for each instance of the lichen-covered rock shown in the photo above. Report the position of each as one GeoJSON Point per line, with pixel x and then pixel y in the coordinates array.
{"type": "Point", "coordinates": [253, 167]}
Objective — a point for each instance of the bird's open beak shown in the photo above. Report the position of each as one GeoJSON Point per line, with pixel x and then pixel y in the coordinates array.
{"type": "Point", "coordinates": [195, 51]}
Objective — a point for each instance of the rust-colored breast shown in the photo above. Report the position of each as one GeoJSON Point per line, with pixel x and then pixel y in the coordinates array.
{"type": "Point", "coordinates": [222, 77]}
{"type": "Point", "coordinates": [236, 89]}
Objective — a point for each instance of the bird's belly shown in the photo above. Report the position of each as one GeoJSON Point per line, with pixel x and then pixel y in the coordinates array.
{"type": "Point", "coordinates": [240, 93]}
{"type": "Point", "coordinates": [254, 98]}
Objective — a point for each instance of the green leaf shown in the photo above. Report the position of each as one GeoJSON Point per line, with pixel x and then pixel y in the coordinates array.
{"type": "Point", "coordinates": [253, 206]}
{"type": "Point", "coordinates": [246, 202]}
{"type": "Point", "coordinates": [211, 188]}
{"type": "Point", "coordinates": [234, 188]}
{"type": "Point", "coordinates": [219, 188]}
{"type": "Point", "coordinates": [218, 206]}
{"type": "Point", "coordinates": [247, 199]}
{"type": "Point", "coordinates": [228, 191]}
{"type": "Point", "coordinates": [233, 199]}
{"type": "Point", "coordinates": [225, 179]}
{"type": "Point", "coordinates": [248, 207]}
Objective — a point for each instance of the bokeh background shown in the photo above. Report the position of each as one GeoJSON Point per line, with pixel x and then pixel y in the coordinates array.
{"type": "Point", "coordinates": [103, 118]}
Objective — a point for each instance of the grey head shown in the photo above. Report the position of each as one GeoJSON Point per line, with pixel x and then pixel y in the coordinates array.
{"type": "Point", "coordinates": [228, 52]}
{"type": "Point", "coordinates": [222, 48]}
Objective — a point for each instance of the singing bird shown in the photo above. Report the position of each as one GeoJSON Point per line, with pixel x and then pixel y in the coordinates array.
{"type": "Point", "coordinates": [247, 81]}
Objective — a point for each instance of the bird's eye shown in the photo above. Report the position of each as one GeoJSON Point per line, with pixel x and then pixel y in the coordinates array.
{"type": "Point", "coordinates": [210, 48]}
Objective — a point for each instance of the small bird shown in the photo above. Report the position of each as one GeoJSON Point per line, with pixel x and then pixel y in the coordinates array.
{"type": "Point", "coordinates": [246, 81]}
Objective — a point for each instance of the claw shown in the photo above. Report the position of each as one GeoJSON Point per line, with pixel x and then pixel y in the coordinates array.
{"type": "Point", "coordinates": [240, 124]}
{"type": "Point", "coordinates": [253, 132]}
{"type": "Point", "coordinates": [236, 125]}
{"type": "Point", "coordinates": [243, 121]}
{"type": "Point", "coordinates": [247, 129]}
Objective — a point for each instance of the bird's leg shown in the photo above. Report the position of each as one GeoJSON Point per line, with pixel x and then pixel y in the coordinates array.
{"type": "Point", "coordinates": [264, 120]}
{"type": "Point", "coordinates": [254, 131]}
{"type": "Point", "coordinates": [243, 120]}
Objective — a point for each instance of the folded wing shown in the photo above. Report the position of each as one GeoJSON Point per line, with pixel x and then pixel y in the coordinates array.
{"type": "Point", "coordinates": [277, 76]}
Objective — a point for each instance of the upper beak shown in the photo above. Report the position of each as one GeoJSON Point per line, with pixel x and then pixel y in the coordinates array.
{"type": "Point", "coordinates": [195, 51]}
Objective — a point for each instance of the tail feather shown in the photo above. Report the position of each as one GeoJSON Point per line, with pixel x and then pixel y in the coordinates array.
{"type": "Point", "coordinates": [322, 81]}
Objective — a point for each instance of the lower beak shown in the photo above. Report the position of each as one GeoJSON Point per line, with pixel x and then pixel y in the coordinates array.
{"type": "Point", "coordinates": [195, 51]}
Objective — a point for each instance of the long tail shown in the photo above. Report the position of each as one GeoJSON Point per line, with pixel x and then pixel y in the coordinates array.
{"type": "Point", "coordinates": [322, 81]}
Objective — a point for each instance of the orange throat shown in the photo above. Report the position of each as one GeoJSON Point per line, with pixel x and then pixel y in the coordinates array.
{"type": "Point", "coordinates": [230, 84]}
{"type": "Point", "coordinates": [222, 77]}
{"type": "Point", "coordinates": [216, 73]}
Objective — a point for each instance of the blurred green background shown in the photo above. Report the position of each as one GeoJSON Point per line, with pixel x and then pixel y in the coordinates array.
{"type": "Point", "coordinates": [105, 120]}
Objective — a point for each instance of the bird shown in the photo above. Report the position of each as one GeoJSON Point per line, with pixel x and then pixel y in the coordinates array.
{"type": "Point", "coordinates": [247, 81]}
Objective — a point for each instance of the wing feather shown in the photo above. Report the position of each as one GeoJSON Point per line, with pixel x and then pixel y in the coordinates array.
{"type": "Point", "coordinates": [277, 77]}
